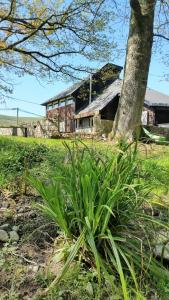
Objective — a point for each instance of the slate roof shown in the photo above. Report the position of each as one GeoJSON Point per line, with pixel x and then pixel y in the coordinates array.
{"type": "Point", "coordinates": [69, 91]}
{"type": "Point", "coordinates": [103, 99]}
{"type": "Point", "coordinates": [152, 98]}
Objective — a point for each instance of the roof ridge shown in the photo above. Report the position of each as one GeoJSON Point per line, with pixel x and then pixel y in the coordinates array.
{"type": "Point", "coordinates": [70, 90]}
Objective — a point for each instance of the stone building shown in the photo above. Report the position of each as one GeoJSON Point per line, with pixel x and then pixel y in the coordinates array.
{"type": "Point", "coordinates": [90, 106]}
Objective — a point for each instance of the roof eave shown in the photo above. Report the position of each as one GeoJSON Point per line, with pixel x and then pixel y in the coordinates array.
{"type": "Point", "coordinates": [155, 104]}
{"type": "Point", "coordinates": [85, 115]}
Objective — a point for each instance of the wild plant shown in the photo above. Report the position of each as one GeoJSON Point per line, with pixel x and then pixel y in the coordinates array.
{"type": "Point", "coordinates": [100, 202]}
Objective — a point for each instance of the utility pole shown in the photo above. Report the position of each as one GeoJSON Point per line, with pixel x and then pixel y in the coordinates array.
{"type": "Point", "coordinates": [17, 116]}
{"type": "Point", "coordinates": [90, 91]}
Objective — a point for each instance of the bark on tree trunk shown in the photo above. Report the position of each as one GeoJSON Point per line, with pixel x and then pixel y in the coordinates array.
{"type": "Point", "coordinates": [138, 56]}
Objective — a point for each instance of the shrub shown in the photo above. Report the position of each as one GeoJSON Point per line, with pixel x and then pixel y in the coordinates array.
{"type": "Point", "coordinates": [22, 154]}
{"type": "Point", "coordinates": [17, 159]}
{"type": "Point", "coordinates": [99, 203]}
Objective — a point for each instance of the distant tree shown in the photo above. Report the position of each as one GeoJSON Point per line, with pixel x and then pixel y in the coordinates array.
{"type": "Point", "coordinates": [142, 29]}
{"type": "Point", "coordinates": [49, 37]}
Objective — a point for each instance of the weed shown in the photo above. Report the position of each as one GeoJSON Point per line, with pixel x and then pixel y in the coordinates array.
{"type": "Point", "coordinates": [98, 202]}
{"type": "Point", "coordinates": [17, 159]}
{"type": "Point", "coordinates": [78, 284]}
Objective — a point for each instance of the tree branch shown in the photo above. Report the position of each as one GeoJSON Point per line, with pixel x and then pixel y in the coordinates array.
{"type": "Point", "coordinates": [161, 36]}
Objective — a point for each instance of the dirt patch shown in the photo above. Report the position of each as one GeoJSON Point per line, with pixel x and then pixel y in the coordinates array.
{"type": "Point", "coordinates": [21, 261]}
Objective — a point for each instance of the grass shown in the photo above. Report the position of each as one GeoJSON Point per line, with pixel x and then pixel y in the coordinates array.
{"type": "Point", "coordinates": [97, 201]}
{"type": "Point", "coordinates": [78, 284]}
{"type": "Point", "coordinates": [156, 167]}
{"type": "Point", "coordinates": [21, 156]}
{"type": "Point", "coordinates": [93, 240]}
{"type": "Point", "coordinates": [54, 142]}
{"type": "Point", "coordinates": [12, 151]}
{"type": "Point", "coordinates": [155, 158]}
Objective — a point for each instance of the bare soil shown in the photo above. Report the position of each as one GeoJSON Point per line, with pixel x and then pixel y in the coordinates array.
{"type": "Point", "coordinates": [22, 261]}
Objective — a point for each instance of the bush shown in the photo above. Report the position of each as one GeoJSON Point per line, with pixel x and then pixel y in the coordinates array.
{"type": "Point", "coordinates": [25, 154]}
{"type": "Point", "coordinates": [99, 203]}
{"type": "Point", "coordinates": [16, 159]}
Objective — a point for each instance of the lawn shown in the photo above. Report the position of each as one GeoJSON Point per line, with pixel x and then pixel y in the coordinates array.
{"type": "Point", "coordinates": [30, 263]}
{"type": "Point", "coordinates": [154, 157]}
{"type": "Point", "coordinates": [54, 142]}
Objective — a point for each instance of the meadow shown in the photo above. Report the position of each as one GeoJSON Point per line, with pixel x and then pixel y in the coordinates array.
{"type": "Point", "coordinates": [87, 213]}
{"type": "Point", "coordinates": [9, 121]}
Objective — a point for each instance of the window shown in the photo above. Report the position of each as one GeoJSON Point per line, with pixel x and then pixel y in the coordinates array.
{"type": "Point", "coordinates": [91, 122]}
{"type": "Point", "coordinates": [80, 122]}
{"type": "Point", "coordinates": [55, 105]}
{"type": "Point", "coordinates": [50, 106]}
{"type": "Point", "coordinates": [69, 101]}
{"type": "Point", "coordinates": [86, 122]}
{"type": "Point", "coordinates": [61, 103]}
{"type": "Point", "coordinates": [62, 126]}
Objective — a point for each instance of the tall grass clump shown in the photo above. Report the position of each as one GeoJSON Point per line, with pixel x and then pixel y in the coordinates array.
{"type": "Point", "coordinates": [99, 201]}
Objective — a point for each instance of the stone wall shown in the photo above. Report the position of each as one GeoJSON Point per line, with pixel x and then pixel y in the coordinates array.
{"type": "Point", "coordinates": [102, 126]}
{"type": "Point", "coordinates": [12, 131]}
{"type": "Point", "coordinates": [49, 129]}
{"type": "Point", "coordinates": [41, 129]}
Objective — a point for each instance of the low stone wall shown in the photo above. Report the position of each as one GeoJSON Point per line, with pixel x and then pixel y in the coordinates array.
{"type": "Point", "coordinates": [48, 129]}
{"type": "Point", "coordinates": [102, 126]}
{"type": "Point", "coordinates": [12, 131]}
{"type": "Point", "coordinates": [159, 130]}
{"type": "Point", "coordinates": [40, 129]}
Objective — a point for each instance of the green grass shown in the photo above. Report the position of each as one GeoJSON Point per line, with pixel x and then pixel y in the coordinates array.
{"type": "Point", "coordinates": [155, 158]}
{"type": "Point", "coordinates": [80, 283]}
{"type": "Point", "coordinates": [99, 203]}
{"type": "Point", "coordinates": [156, 167]}
{"type": "Point", "coordinates": [48, 153]}
{"type": "Point", "coordinates": [30, 140]}
{"type": "Point", "coordinates": [21, 156]}
{"type": "Point", "coordinates": [84, 183]}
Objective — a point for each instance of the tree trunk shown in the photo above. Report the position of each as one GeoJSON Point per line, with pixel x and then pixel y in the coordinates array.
{"type": "Point", "coordinates": [138, 56]}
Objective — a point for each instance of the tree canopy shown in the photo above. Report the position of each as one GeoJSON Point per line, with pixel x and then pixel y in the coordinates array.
{"type": "Point", "coordinates": [45, 37]}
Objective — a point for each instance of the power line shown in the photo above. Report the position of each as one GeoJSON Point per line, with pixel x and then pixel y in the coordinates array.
{"type": "Point", "coordinates": [8, 108]}
{"type": "Point", "coordinates": [28, 112]}
{"type": "Point", "coordinates": [22, 100]}
{"type": "Point", "coordinates": [25, 111]}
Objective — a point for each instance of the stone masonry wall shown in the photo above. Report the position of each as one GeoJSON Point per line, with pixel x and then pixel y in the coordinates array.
{"type": "Point", "coordinates": [12, 131]}
{"type": "Point", "coordinates": [102, 126]}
